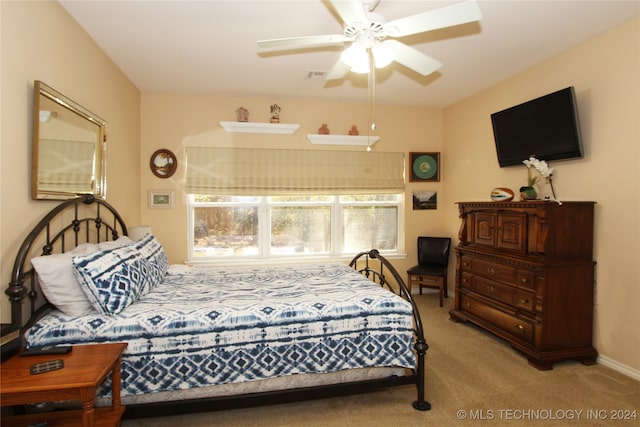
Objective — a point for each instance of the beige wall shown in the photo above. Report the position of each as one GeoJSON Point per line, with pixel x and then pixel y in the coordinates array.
{"type": "Point", "coordinates": [173, 121]}
{"type": "Point", "coordinates": [40, 41]}
{"type": "Point", "coordinates": [605, 73]}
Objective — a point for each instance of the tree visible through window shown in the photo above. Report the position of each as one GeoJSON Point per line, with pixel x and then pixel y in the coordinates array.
{"type": "Point", "coordinates": [267, 227]}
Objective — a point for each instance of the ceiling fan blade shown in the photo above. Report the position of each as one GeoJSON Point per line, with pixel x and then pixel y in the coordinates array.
{"type": "Point", "coordinates": [412, 58]}
{"type": "Point", "coordinates": [303, 42]}
{"type": "Point", "coordinates": [350, 12]}
{"type": "Point", "coordinates": [338, 71]}
{"type": "Point", "coordinates": [448, 16]}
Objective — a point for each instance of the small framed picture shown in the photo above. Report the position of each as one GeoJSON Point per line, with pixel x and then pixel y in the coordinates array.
{"type": "Point", "coordinates": [424, 167]}
{"type": "Point", "coordinates": [423, 200]}
{"type": "Point", "coordinates": [160, 199]}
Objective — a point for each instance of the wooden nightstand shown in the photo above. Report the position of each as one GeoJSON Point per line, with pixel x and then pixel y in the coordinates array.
{"type": "Point", "coordinates": [85, 368]}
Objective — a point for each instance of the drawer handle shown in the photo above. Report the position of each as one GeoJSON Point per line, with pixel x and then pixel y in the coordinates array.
{"type": "Point", "coordinates": [524, 301]}
{"type": "Point", "coordinates": [467, 304]}
{"type": "Point", "coordinates": [491, 290]}
{"type": "Point", "coordinates": [524, 280]}
{"type": "Point", "coordinates": [520, 328]}
{"type": "Point", "coordinates": [491, 271]}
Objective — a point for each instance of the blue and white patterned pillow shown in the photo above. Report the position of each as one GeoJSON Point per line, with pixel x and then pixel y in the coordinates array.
{"type": "Point", "coordinates": [113, 279]}
{"type": "Point", "coordinates": [152, 250]}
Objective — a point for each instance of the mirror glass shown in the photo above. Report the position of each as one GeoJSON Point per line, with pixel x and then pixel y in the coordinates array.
{"type": "Point", "coordinates": [69, 148]}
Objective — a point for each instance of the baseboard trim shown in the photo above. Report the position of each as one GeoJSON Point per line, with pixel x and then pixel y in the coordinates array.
{"type": "Point", "coordinates": [617, 366]}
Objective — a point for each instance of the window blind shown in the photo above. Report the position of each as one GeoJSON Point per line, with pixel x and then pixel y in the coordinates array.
{"type": "Point", "coordinates": [263, 172]}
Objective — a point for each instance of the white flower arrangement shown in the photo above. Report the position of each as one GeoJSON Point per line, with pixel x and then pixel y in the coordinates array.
{"type": "Point", "coordinates": [544, 171]}
{"type": "Point", "coordinates": [540, 166]}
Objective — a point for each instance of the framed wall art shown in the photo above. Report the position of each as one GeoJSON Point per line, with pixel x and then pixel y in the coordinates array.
{"type": "Point", "coordinates": [423, 200]}
{"type": "Point", "coordinates": [163, 163]}
{"type": "Point", "coordinates": [160, 199]}
{"type": "Point", "coordinates": [424, 167]}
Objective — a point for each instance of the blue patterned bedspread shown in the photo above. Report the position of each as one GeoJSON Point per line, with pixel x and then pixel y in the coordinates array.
{"type": "Point", "coordinates": [212, 326]}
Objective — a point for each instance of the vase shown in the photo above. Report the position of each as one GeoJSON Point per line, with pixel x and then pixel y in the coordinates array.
{"type": "Point", "coordinates": [528, 193]}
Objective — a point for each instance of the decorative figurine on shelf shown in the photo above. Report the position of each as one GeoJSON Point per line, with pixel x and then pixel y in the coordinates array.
{"type": "Point", "coordinates": [242, 114]}
{"type": "Point", "coordinates": [324, 129]}
{"type": "Point", "coordinates": [354, 130]}
{"type": "Point", "coordinates": [275, 113]}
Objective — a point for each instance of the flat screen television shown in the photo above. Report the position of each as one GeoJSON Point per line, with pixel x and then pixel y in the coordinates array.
{"type": "Point", "coordinates": [546, 128]}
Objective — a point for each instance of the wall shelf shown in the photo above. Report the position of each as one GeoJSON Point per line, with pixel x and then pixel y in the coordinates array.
{"type": "Point", "coordinates": [254, 127]}
{"type": "Point", "coordinates": [342, 139]}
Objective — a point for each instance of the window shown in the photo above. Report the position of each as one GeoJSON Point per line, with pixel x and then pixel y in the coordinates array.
{"type": "Point", "coordinates": [263, 203]}
{"type": "Point", "coordinates": [299, 225]}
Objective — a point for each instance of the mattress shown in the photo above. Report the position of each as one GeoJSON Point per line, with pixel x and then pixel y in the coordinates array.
{"type": "Point", "coordinates": [207, 326]}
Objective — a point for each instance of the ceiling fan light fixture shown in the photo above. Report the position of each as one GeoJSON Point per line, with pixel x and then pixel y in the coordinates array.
{"type": "Point", "coordinates": [361, 68]}
{"type": "Point", "coordinates": [383, 55]}
{"type": "Point", "coordinates": [355, 56]}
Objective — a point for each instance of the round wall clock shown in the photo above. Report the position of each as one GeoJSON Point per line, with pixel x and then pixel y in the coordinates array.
{"type": "Point", "coordinates": [163, 163]}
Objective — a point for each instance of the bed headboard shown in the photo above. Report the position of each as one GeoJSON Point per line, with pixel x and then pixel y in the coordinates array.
{"type": "Point", "coordinates": [85, 219]}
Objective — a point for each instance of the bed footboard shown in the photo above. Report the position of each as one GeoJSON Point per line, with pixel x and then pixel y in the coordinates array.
{"type": "Point", "coordinates": [376, 268]}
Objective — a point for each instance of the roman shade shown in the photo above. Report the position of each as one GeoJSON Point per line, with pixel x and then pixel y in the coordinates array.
{"type": "Point", "coordinates": [264, 172]}
{"type": "Point", "coordinates": [65, 165]}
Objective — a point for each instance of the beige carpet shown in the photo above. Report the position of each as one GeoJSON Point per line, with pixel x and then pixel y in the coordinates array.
{"type": "Point", "coordinates": [472, 378]}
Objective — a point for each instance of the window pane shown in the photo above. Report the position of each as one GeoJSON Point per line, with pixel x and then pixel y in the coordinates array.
{"type": "Point", "coordinates": [287, 199]}
{"type": "Point", "coordinates": [300, 230]}
{"type": "Point", "coordinates": [225, 231]}
{"type": "Point", "coordinates": [370, 227]}
{"type": "Point", "coordinates": [205, 198]}
{"type": "Point", "coordinates": [298, 225]}
{"type": "Point", "coordinates": [369, 198]}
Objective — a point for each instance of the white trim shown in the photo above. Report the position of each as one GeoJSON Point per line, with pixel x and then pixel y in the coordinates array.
{"type": "Point", "coordinates": [619, 367]}
{"type": "Point", "coordinates": [279, 260]}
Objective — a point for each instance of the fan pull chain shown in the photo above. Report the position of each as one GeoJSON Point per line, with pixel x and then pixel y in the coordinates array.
{"type": "Point", "coordinates": [371, 99]}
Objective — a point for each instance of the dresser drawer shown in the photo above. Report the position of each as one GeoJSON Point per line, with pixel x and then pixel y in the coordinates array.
{"type": "Point", "coordinates": [494, 271]}
{"type": "Point", "coordinates": [525, 300]}
{"type": "Point", "coordinates": [514, 326]}
{"type": "Point", "coordinates": [494, 290]}
{"type": "Point", "coordinates": [507, 294]}
{"type": "Point", "coordinates": [466, 263]}
{"type": "Point", "coordinates": [526, 279]}
{"type": "Point", "coordinates": [466, 280]}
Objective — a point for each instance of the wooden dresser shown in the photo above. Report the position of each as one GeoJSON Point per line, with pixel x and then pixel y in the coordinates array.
{"type": "Point", "coordinates": [524, 271]}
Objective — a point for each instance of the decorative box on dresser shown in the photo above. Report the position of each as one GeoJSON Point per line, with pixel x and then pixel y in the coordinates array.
{"type": "Point", "coordinates": [524, 271]}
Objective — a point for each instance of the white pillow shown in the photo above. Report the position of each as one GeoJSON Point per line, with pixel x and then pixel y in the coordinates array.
{"type": "Point", "coordinates": [58, 282]}
{"type": "Point", "coordinates": [112, 244]}
{"type": "Point", "coordinates": [113, 279]}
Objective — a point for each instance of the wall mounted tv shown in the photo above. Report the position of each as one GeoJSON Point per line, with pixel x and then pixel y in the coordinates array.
{"type": "Point", "coordinates": [545, 127]}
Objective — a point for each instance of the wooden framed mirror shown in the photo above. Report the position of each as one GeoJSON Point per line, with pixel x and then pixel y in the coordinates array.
{"type": "Point", "coordinates": [69, 148]}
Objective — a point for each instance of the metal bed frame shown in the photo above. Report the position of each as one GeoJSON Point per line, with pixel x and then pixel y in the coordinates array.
{"type": "Point", "coordinates": [88, 219]}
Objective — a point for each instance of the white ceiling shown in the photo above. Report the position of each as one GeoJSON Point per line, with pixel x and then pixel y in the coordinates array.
{"type": "Point", "coordinates": [210, 46]}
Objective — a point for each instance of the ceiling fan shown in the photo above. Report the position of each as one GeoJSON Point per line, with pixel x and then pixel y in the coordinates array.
{"type": "Point", "coordinates": [372, 38]}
